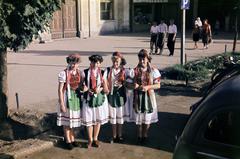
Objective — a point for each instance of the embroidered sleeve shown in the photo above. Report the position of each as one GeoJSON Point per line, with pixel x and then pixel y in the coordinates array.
{"type": "Point", "coordinates": [156, 76]}
{"type": "Point", "coordinates": [62, 77]}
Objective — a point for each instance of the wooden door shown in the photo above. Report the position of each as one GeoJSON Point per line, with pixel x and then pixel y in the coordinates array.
{"type": "Point", "coordinates": [64, 21]}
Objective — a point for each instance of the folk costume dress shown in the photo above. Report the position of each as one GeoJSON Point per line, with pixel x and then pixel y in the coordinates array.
{"type": "Point", "coordinates": [144, 103]}
{"type": "Point", "coordinates": [71, 117]}
{"type": "Point", "coordinates": [117, 94]}
{"type": "Point", "coordinates": [95, 106]}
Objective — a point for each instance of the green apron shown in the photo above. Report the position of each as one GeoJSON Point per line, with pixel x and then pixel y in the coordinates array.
{"type": "Point", "coordinates": [144, 103]}
{"type": "Point", "coordinates": [118, 98]}
{"type": "Point", "coordinates": [74, 102]}
{"type": "Point", "coordinates": [96, 101]}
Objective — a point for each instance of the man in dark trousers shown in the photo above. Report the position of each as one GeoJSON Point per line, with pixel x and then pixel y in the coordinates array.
{"type": "Point", "coordinates": [172, 32]}
{"type": "Point", "coordinates": [153, 41]}
{"type": "Point", "coordinates": [162, 32]}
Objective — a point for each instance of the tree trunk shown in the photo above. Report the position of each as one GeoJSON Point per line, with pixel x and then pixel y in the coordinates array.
{"type": "Point", "coordinates": [236, 34]}
{"type": "Point", "coordinates": [3, 85]}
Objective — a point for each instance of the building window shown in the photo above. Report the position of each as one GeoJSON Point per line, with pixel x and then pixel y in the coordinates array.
{"type": "Point", "coordinates": [142, 13]}
{"type": "Point", "coordinates": [106, 8]}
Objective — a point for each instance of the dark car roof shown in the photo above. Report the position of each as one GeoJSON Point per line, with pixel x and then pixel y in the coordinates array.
{"type": "Point", "coordinates": [225, 94]}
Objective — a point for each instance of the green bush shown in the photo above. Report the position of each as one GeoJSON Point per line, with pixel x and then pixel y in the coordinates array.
{"type": "Point", "coordinates": [199, 69]}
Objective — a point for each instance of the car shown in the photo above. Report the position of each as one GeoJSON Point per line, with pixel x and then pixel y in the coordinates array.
{"type": "Point", "coordinates": [213, 129]}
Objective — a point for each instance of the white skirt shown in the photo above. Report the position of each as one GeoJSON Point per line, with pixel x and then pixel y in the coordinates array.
{"type": "Point", "coordinates": [146, 118]}
{"type": "Point", "coordinates": [117, 115]}
{"type": "Point", "coordinates": [97, 115]}
{"type": "Point", "coordinates": [70, 118]}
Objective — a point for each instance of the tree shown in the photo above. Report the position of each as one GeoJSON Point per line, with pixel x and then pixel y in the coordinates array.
{"type": "Point", "coordinates": [20, 22]}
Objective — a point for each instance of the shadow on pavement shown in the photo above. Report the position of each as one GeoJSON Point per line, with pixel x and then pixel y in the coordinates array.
{"type": "Point", "coordinates": [162, 135]}
{"type": "Point", "coordinates": [14, 130]}
{"type": "Point", "coordinates": [6, 156]}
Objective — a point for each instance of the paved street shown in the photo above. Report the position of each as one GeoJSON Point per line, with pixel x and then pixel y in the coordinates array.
{"type": "Point", "coordinates": [32, 73]}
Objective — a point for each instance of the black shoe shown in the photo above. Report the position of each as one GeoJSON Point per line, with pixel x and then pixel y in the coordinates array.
{"type": "Point", "coordinates": [120, 139]}
{"type": "Point", "coordinates": [68, 146]}
{"type": "Point", "coordinates": [144, 140]}
{"type": "Point", "coordinates": [76, 144]}
{"type": "Point", "coordinates": [114, 140]}
{"type": "Point", "coordinates": [139, 140]}
{"type": "Point", "coordinates": [96, 143]}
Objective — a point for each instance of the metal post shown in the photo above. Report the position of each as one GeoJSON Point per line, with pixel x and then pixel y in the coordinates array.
{"type": "Point", "coordinates": [186, 58]}
{"type": "Point", "coordinates": [183, 37]}
{"type": "Point", "coordinates": [89, 18]}
{"type": "Point", "coordinates": [225, 48]}
{"type": "Point", "coordinates": [17, 101]}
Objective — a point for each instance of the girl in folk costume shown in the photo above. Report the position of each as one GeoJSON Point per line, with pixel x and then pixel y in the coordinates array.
{"type": "Point", "coordinates": [146, 79]}
{"type": "Point", "coordinates": [69, 101]}
{"type": "Point", "coordinates": [95, 104]}
{"type": "Point", "coordinates": [116, 77]}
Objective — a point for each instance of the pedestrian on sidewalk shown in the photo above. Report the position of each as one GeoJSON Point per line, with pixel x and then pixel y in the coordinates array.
{"type": "Point", "coordinates": [146, 80]}
{"type": "Point", "coordinates": [95, 103]}
{"type": "Point", "coordinates": [162, 32]}
{"type": "Point", "coordinates": [195, 36]}
{"type": "Point", "coordinates": [69, 100]}
{"type": "Point", "coordinates": [206, 34]}
{"type": "Point", "coordinates": [172, 33]}
{"type": "Point", "coordinates": [116, 76]}
{"type": "Point", "coordinates": [153, 40]}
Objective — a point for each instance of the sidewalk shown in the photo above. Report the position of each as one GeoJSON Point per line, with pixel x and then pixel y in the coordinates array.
{"type": "Point", "coordinates": [32, 73]}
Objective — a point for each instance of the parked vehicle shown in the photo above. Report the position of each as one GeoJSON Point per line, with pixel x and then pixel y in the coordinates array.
{"type": "Point", "coordinates": [213, 130]}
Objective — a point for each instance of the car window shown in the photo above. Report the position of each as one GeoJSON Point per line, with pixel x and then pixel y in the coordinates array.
{"type": "Point", "coordinates": [224, 127]}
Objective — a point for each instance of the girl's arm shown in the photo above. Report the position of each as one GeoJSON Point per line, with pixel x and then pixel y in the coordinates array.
{"type": "Point", "coordinates": [61, 97]}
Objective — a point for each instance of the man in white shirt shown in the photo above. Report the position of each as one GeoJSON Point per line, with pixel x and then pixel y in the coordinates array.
{"type": "Point", "coordinates": [172, 33]}
{"type": "Point", "coordinates": [153, 41]}
{"type": "Point", "coordinates": [162, 31]}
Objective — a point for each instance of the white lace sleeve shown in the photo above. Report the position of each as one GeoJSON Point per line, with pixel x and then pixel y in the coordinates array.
{"type": "Point", "coordinates": [62, 77]}
{"type": "Point", "coordinates": [156, 76]}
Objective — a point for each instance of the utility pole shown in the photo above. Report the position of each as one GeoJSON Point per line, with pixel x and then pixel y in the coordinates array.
{"type": "Point", "coordinates": [185, 4]}
{"type": "Point", "coordinates": [183, 37]}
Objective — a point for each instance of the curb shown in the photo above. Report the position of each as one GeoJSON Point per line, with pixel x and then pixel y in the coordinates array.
{"type": "Point", "coordinates": [38, 146]}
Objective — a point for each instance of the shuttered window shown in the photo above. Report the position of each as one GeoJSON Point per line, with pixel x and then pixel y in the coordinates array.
{"type": "Point", "coordinates": [106, 8]}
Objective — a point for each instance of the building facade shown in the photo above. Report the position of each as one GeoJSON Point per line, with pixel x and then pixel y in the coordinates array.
{"type": "Point", "coordinates": [86, 18]}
